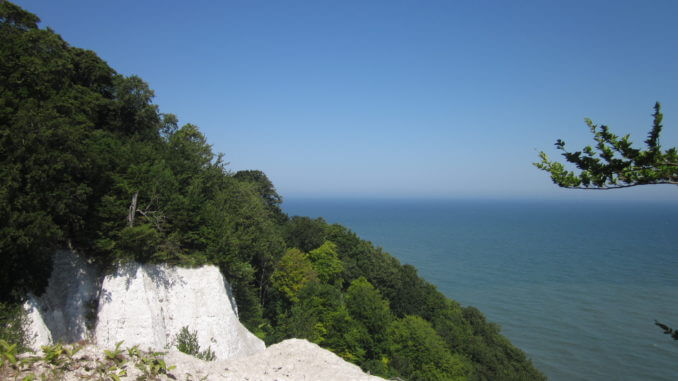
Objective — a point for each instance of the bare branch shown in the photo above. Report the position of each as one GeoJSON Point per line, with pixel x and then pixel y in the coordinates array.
{"type": "Point", "coordinates": [154, 216]}
{"type": "Point", "coordinates": [157, 217]}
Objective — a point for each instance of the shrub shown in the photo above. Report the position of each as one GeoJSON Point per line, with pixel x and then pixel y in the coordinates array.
{"type": "Point", "coordinates": [12, 323]}
{"type": "Point", "coordinates": [187, 342]}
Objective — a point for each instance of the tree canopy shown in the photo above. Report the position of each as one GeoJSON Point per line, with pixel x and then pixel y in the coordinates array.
{"type": "Point", "coordinates": [614, 162]}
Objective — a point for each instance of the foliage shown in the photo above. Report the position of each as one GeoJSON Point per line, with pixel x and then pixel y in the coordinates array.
{"type": "Point", "coordinates": [615, 163]}
{"type": "Point", "coordinates": [58, 360]}
{"type": "Point", "coordinates": [305, 233]}
{"type": "Point", "coordinates": [310, 316]}
{"type": "Point", "coordinates": [12, 322]}
{"type": "Point", "coordinates": [293, 272]}
{"type": "Point", "coordinates": [8, 353]}
{"type": "Point", "coordinates": [366, 306]}
{"type": "Point", "coordinates": [187, 342]}
{"type": "Point", "coordinates": [114, 355]}
{"type": "Point", "coordinates": [667, 330]}
{"type": "Point", "coordinates": [493, 355]}
{"type": "Point", "coordinates": [350, 340]}
{"type": "Point", "coordinates": [265, 189]}
{"type": "Point", "coordinates": [420, 354]}
{"type": "Point", "coordinates": [153, 366]}
{"type": "Point", "coordinates": [326, 262]}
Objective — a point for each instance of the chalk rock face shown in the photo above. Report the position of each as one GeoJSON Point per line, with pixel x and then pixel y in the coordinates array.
{"type": "Point", "coordinates": [147, 305]}
{"type": "Point", "coordinates": [138, 304]}
{"type": "Point", "coordinates": [37, 332]}
{"type": "Point", "coordinates": [61, 313]}
{"type": "Point", "coordinates": [292, 359]}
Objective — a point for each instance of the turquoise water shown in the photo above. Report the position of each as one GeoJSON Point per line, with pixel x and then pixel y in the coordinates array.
{"type": "Point", "coordinates": [576, 285]}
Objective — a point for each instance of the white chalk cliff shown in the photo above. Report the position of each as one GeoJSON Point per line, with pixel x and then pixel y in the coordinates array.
{"type": "Point", "coordinates": [145, 305]}
{"type": "Point", "coordinates": [64, 312]}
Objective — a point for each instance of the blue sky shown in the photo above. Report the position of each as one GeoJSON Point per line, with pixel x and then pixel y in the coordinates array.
{"type": "Point", "coordinates": [394, 98]}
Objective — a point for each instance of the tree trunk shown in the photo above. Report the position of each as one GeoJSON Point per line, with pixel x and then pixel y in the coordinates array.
{"type": "Point", "coordinates": [132, 210]}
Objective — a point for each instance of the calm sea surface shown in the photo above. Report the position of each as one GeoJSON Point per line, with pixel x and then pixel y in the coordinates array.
{"type": "Point", "coordinates": [576, 285]}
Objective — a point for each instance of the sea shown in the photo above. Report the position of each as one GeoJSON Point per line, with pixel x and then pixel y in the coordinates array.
{"type": "Point", "coordinates": [577, 285]}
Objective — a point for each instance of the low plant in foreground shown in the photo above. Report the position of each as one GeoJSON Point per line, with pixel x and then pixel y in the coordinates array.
{"type": "Point", "coordinates": [152, 366]}
{"type": "Point", "coordinates": [58, 360]}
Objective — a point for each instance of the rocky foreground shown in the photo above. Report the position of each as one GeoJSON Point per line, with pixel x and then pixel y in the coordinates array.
{"type": "Point", "coordinates": [292, 359]}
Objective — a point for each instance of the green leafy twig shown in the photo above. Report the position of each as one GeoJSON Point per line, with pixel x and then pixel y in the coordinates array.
{"type": "Point", "coordinates": [614, 163]}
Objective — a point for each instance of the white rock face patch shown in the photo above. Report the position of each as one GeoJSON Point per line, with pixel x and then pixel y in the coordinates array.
{"type": "Point", "coordinates": [67, 303]}
{"type": "Point", "coordinates": [293, 359]}
{"type": "Point", "coordinates": [147, 305]}
{"type": "Point", "coordinates": [37, 332]}
{"type": "Point", "coordinates": [290, 360]}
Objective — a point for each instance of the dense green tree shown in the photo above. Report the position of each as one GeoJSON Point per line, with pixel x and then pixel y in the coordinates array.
{"type": "Point", "coordinates": [264, 188]}
{"type": "Point", "coordinates": [293, 272]}
{"type": "Point", "coordinates": [492, 354]}
{"type": "Point", "coordinates": [12, 324]}
{"type": "Point", "coordinates": [311, 315]}
{"type": "Point", "coordinates": [614, 163]}
{"type": "Point", "coordinates": [305, 233]}
{"type": "Point", "coordinates": [48, 172]}
{"type": "Point", "coordinates": [418, 353]}
{"type": "Point", "coordinates": [242, 239]}
{"type": "Point", "coordinates": [326, 262]}
{"type": "Point", "coordinates": [366, 306]}
{"type": "Point", "coordinates": [12, 17]}
{"type": "Point", "coordinates": [349, 339]}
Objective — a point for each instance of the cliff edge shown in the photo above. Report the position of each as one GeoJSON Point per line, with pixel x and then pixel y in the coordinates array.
{"type": "Point", "coordinates": [147, 306]}
{"type": "Point", "coordinates": [144, 305]}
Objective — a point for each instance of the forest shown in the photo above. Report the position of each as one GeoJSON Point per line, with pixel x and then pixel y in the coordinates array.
{"type": "Point", "coordinates": [88, 162]}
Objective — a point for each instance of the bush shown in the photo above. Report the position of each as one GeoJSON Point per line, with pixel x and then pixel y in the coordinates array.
{"type": "Point", "coordinates": [12, 323]}
{"type": "Point", "coordinates": [187, 342]}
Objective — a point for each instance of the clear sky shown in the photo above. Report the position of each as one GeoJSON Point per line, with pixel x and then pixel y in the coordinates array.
{"type": "Point", "coordinates": [394, 98]}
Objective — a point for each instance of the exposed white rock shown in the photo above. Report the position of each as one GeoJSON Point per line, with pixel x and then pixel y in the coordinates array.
{"type": "Point", "coordinates": [67, 303]}
{"type": "Point", "coordinates": [289, 360]}
{"type": "Point", "coordinates": [138, 304]}
{"type": "Point", "coordinates": [37, 332]}
{"type": "Point", "coordinates": [147, 305]}
{"type": "Point", "coordinates": [292, 359]}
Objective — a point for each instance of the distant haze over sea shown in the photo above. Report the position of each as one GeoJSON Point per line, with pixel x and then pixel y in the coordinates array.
{"type": "Point", "coordinates": [576, 284]}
